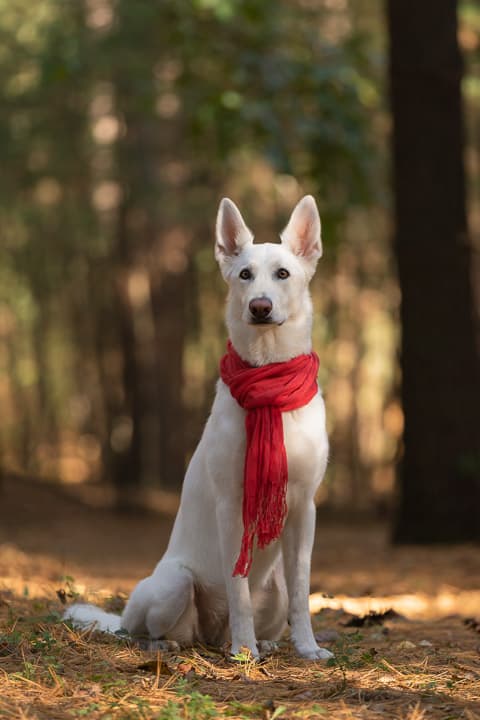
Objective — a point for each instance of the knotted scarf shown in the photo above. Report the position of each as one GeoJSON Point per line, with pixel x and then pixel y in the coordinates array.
{"type": "Point", "coordinates": [265, 392]}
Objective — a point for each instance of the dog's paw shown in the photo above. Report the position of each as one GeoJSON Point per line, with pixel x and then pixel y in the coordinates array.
{"type": "Point", "coordinates": [315, 653]}
{"type": "Point", "coordinates": [150, 645]}
{"type": "Point", "coordinates": [244, 654]}
{"type": "Point", "coordinates": [267, 647]}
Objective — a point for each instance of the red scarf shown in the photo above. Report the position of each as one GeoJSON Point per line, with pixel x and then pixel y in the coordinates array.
{"type": "Point", "coordinates": [265, 392]}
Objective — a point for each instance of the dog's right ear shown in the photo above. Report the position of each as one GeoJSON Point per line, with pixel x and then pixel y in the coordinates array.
{"type": "Point", "coordinates": [231, 234]}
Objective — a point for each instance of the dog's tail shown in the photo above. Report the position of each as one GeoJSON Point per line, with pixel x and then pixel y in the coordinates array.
{"type": "Point", "coordinates": [83, 615]}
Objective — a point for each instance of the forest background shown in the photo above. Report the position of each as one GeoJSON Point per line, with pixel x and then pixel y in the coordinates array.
{"type": "Point", "coordinates": [122, 125]}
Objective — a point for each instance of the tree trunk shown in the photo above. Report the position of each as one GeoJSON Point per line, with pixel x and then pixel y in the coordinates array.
{"type": "Point", "coordinates": [128, 459]}
{"type": "Point", "coordinates": [168, 299]}
{"type": "Point", "coordinates": [440, 470]}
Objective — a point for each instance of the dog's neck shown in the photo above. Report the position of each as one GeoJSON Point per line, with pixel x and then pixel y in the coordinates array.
{"type": "Point", "coordinates": [265, 344]}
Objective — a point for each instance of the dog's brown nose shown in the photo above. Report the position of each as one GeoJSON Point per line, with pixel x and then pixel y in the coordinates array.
{"type": "Point", "coordinates": [260, 308]}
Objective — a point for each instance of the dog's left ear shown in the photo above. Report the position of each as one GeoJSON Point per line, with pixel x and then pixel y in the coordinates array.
{"type": "Point", "coordinates": [231, 234]}
{"type": "Point", "coordinates": [303, 233]}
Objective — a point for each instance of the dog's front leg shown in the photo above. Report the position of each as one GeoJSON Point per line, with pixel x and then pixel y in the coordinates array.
{"type": "Point", "coordinates": [297, 544]}
{"type": "Point", "coordinates": [230, 531]}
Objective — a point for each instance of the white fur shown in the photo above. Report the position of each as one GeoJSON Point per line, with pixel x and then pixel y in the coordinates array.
{"type": "Point", "coordinates": [191, 595]}
{"type": "Point", "coordinates": [89, 616]}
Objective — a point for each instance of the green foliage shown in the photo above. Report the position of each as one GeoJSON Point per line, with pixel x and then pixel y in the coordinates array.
{"type": "Point", "coordinates": [194, 706]}
{"type": "Point", "coordinates": [348, 655]}
{"type": "Point", "coordinates": [86, 711]}
{"type": "Point", "coordinates": [267, 82]}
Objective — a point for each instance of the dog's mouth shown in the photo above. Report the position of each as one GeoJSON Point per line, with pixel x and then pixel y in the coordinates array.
{"type": "Point", "coordinates": [265, 321]}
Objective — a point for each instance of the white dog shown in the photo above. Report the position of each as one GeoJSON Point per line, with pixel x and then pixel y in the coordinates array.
{"type": "Point", "coordinates": [192, 595]}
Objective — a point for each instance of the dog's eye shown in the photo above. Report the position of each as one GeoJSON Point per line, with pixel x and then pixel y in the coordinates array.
{"type": "Point", "coordinates": [283, 274]}
{"type": "Point", "coordinates": [245, 274]}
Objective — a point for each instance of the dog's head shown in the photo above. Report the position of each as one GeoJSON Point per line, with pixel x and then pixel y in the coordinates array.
{"type": "Point", "coordinates": [268, 282]}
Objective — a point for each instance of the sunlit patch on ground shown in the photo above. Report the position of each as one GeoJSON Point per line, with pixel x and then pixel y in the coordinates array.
{"type": "Point", "coordinates": [412, 605]}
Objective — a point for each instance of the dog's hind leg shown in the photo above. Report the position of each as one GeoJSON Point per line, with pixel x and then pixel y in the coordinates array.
{"type": "Point", "coordinates": [162, 605]}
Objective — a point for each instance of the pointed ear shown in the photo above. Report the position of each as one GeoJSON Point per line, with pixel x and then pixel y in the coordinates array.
{"type": "Point", "coordinates": [231, 232]}
{"type": "Point", "coordinates": [303, 233]}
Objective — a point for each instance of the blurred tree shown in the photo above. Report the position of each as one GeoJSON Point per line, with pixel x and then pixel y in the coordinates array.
{"type": "Point", "coordinates": [440, 467]}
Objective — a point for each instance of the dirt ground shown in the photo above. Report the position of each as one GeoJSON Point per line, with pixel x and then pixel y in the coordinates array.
{"type": "Point", "coordinates": [423, 661]}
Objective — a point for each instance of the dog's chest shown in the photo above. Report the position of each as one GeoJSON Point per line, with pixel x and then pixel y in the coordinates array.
{"type": "Point", "coordinates": [304, 437]}
{"type": "Point", "coordinates": [306, 444]}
